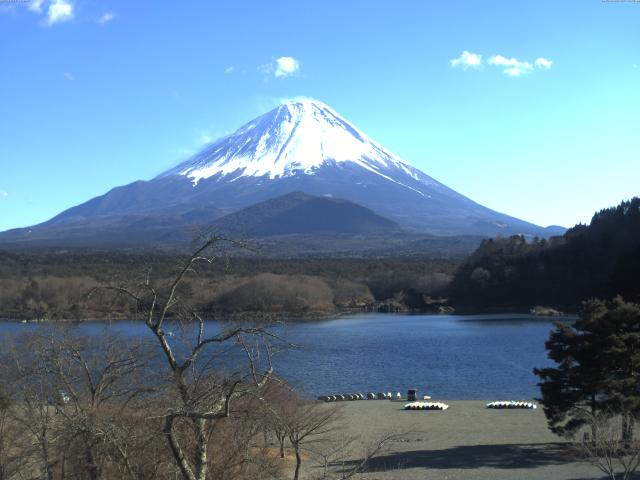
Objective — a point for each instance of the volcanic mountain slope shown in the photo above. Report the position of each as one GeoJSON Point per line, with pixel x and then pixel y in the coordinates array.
{"type": "Point", "coordinates": [301, 146]}
{"type": "Point", "coordinates": [302, 214]}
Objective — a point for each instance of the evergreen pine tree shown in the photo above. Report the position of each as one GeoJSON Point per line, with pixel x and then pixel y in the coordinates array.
{"type": "Point", "coordinates": [621, 325]}
{"type": "Point", "coordinates": [598, 367]}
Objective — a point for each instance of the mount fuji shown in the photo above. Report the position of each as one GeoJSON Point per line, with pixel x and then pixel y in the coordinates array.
{"type": "Point", "coordinates": [300, 146]}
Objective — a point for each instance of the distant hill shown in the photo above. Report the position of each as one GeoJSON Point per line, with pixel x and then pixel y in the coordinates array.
{"type": "Point", "coordinates": [599, 260]}
{"type": "Point", "coordinates": [294, 225]}
{"type": "Point", "coordinates": [303, 214]}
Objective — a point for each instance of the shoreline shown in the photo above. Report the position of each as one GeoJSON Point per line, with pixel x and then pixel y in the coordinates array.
{"type": "Point", "coordinates": [302, 317]}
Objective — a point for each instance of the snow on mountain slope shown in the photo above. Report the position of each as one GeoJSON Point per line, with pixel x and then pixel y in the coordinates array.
{"type": "Point", "coordinates": [297, 138]}
{"type": "Point", "coordinates": [301, 146]}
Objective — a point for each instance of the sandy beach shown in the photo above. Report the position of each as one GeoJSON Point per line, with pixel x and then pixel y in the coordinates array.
{"type": "Point", "coordinates": [467, 441]}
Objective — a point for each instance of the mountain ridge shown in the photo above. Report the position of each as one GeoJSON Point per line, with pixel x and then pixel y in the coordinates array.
{"type": "Point", "coordinates": [297, 147]}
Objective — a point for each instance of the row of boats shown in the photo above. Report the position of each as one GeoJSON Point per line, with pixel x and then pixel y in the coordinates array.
{"type": "Point", "coordinates": [357, 396]}
{"type": "Point", "coordinates": [426, 406]}
{"type": "Point", "coordinates": [511, 404]}
{"type": "Point", "coordinates": [417, 405]}
{"type": "Point", "coordinates": [443, 406]}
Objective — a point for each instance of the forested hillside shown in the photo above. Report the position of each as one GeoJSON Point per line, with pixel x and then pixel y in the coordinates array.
{"type": "Point", "coordinates": [598, 260]}
{"type": "Point", "coordinates": [55, 285]}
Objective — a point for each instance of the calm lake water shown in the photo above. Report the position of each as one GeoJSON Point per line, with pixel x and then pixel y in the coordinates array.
{"type": "Point", "coordinates": [446, 356]}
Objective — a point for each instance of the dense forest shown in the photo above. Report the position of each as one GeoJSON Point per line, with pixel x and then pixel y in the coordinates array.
{"type": "Point", "coordinates": [599, 260]}
{"type": "Point", "coordinates": [56, 285]}
{"type": "Point", "coordinates": [511, 273]}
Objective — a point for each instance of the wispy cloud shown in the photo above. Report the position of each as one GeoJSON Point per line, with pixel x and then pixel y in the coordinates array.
{"type": "Point", "coordinates": [59, 11]}
{"type": "Point", "coordinates": [467, 60]}
{"type": "Point", "coordinates": [68, 76]}
{"type": "Point", "coordinates": [3, 194]}
{"type": "Point", "coordinates": [51, 11]}
{"type": "Point", "coordinates": [35, 5]}
{"type": "Point", "coordinates": [206, 137]}
{"type": "Point", "coordinates": [510, 66]}
{"type": "Point", "coordinates": [281, 67]}
{"type": "Point", "coordinates": [229, 69]}
{"type": "Point", "coordinates": [201, 139]}
{"type": "Point", "coordinates": [543, 63]}
{"type": "Point", "coordinates": [106, 17]}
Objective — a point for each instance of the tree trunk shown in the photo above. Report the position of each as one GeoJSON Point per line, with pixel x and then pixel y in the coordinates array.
{"type": "Point", "coordinates": [202, 444]}
{"type": "Point", "coordinates": [91, 466]}
{"type": "Point", "coordinates": [90, 460]}
{"type": "Point", "coordinates": [62, 467]}
{"type": "Point", "coordinates": [45, 453]}
{"type": "Point", "coordinates": [594, 427]}
{"type": "Point", "coordinates": [627, 429]}
{"type": "Point", "coordinates": [176, 450]}
{"type": "Point", "coordinates": [296, 474]}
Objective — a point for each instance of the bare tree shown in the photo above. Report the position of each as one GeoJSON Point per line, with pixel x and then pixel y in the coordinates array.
{"type": "Point", "coordinates": [199, 397]}
{"type": "Point", "coordinates": [74, 401]}
{"type": "Point", "coordinates": [97, 384]}
{"type": "Point", "coordinates": [316, 429]}
{"type": "Point", "coordinates": [609, 449]}
{"type": "Point", "coordinates": [280, 400]}
{"type": "Point", "coordinates": [295, 421]}
{"type": "Point", "coordinates": [12, 441]}
{"type": "Point", "coordinates": [306, 423]}
{"type": "Point", "coordinates": [237, 452]}
{"type": "Point", "coordinates": [33, 395]}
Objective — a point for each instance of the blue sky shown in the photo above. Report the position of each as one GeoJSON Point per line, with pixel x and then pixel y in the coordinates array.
{"type": "Point", "coordinates": [100, 93]}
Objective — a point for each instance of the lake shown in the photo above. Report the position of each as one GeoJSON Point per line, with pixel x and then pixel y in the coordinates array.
{"type": "Point", "coordinates": [445, 356]}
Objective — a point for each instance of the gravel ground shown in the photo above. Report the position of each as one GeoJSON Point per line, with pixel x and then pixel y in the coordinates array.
{"type": "Point", "coordinates": [466, 442]}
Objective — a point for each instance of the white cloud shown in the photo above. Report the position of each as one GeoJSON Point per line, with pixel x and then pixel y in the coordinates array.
{"type": "Point", "coordinates": [512, 66]}
{"type": "Point", "coordinates": [3, 194]}
{"type": "Point", "coordinates": [543, 63]}
{"type": "Point", "coordinates": [467, 60]}
{"type": "Point", "coordinates": [517, 71]}
{"type": "Point", "coordinates": [35, 5]}
{"type": "Point", "coordinates": [53, 11]}
{"type": "Point", "coordinates": [59, 11]}
{"type": "Point", "coordinates": [280, 67]}
{"type": "Point", "coordinates": [229, 69]}
{"type": "Point", "coordinates": [286, 66]}
{"type": "Point", "coordinates": [68, 76]}
{"type": "Point", "coordinates": [106, 17]}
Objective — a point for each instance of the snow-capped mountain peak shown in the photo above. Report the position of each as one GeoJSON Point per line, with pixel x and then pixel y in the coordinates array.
{"type": "Point", "coordinates": [298, 137]}
{"type": "Point", "coordinates": [301, 148]}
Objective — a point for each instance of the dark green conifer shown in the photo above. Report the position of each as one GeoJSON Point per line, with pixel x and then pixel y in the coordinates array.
{"type": "Point", "coordinates": [597, 367]}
